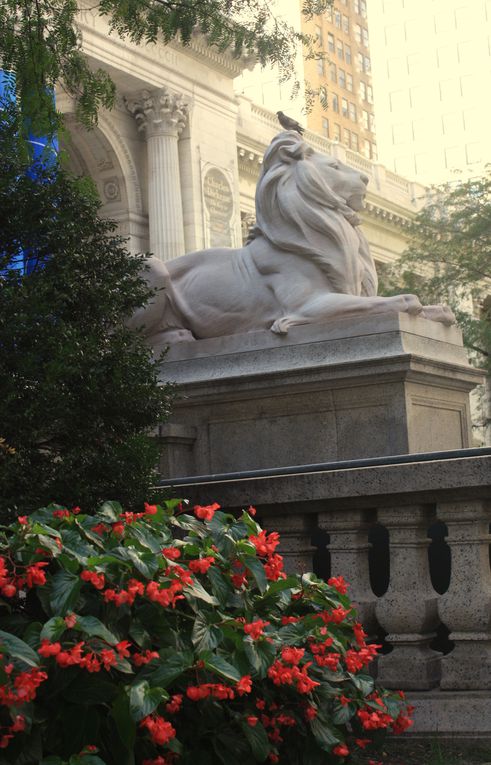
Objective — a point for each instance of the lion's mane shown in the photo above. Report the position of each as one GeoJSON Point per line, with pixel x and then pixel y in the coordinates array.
{"type": "Point", "coordinates": [297, 211]}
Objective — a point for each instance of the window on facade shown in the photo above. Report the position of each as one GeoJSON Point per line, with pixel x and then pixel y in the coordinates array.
{"type": "Point", "coordinates": [373, 152]}
{"type": "Point", "coordinates": [349, 82]}
{"type": "Point", "coordinates": [337, 19]}
{"type": "Point", "coordinates": [366, 149]}
{"type": "Point", "coordinates": [369, 94]}
{"type": "Point", "coordinates": [318, 36]}
{"type": "Point", "coordinates": [329, 14]}
{"type": "Point", "coordinates": [320, 66]}
{"type": "Point", "coordinates": [323, 97]}
{"type": "Point", "coordinates": [346, 137]}
{"type": "Point", "coordinates": [330, 43]}
{"type": "Point", "coordinates": [344, 107]}
{"type": "Point", "coordinates": [358, 33]}
{"type": "Point", "coordinates": [325, 127]}
{"type": "Point", "coordinates": [361, 8]}
{"type": "Point", "coordinates": [347, 53]}
{"type": "Point", "coordinates": [335, 103]}
{"type": "Point", "coordinates": [345, 24]}
{"type": "Point", "coordinates": [364, 119]}
{"type": "Point", "coordinates": [367, 64]}
{"type": "Point", "coordinates": [371, 123]}
{"type": "Point", "coordinates": [342, 78]}
{"type": "Point", "coordinates": [337, 132]}
{"type": "Point", "coordinates": [333, 72]}
{"type": "Point", "coordinates": [363, 90]}
{"type": "Point", "coordinates": [340, 51]}
{"type": "Point", "coordinates": [354, 142]}
{"type": "Point", "coordinates": [364, 36]}
{"type": "Point", "coordinates": [352, 112]}
{"type": "Point", "coordinates": [359, 61]}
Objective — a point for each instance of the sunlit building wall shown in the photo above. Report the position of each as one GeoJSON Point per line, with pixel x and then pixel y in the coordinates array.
{"type": "Point", "coordinates": [431, 65]}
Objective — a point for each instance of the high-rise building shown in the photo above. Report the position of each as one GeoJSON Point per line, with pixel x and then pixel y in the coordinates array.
{"type": "Point", "coordinates": [431, 62]}
{"type": "Point", "coordinates": [343, 110]}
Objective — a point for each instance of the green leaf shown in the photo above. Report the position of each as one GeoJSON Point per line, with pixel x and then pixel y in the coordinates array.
{"type": "Point", "coordinates": [220, 585]}
{"type": "Point", "coordinates": [53, 629]}
{"type": "Point", "coordinates": [93, 627]}
{"type": "Point", "coordinates": [260, 654]}
{"type": "Point", "coordinates": [51, 761]}
{"type": "Point", "coordinates": [221, 667]}
{"type": "Point", "coordinates": [205, 636]}
{"type": "Point", "coordinates": [257, 570]}
{"type": "Point", "coordinates": [257, 739]}
{"type": "Point", "coordinates": [363, 683]}
{"type": "Point", "coordinates": [64, 591]}
{"type": "Point", "coordinates": [109, 512]}
{"type": "Point", "coordinates": [85, 759]}
{"type": "Point", "coordinates": [171, 668]}
{"type": "Point", "coordinates": [145, 699]}
{"type": "Point", "coordinates": [31, 635]}
{"type": "Point", "coordinates": [17, 649]}
{"type": "Point", "coordinates": [146, 563]}
{"type": "Point", "coordinates": [343, 713]}
{"type": "Point", "coordinates": [49, 544]}
{"type": "Point", "coordinates": [90, 689]}
{"type": "Point", "coordinates": [293, 634]}
{"type": "Point", "coordinates": [198, 591]}
{"type": "Point", "coordinates": [125, 724]}
{"type": "Point", "coordinates": [324, 735]}
{"type": "Point", "coordinates": [147, 538]}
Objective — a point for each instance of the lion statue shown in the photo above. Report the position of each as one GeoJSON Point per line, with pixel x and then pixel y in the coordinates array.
{"type": "Point", "coordinates": [306, 260]}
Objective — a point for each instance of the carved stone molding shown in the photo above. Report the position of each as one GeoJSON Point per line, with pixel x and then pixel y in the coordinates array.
{"type": "Point", "coordinates": [159, 112]}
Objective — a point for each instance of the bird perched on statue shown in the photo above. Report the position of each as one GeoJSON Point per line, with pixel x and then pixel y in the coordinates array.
{"type": "Point", "coordinates": [288, 123]}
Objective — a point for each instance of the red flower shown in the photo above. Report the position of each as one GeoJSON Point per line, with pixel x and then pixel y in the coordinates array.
{"type": "Point", "coordinates": [35, 575]}
{"type": "Point", "coordinates": [244, 685]}
{"type": "Point", "coordinates": [76, 510]}
{"type": "Point", "coordinates": [341, 750]}
{"type": "Point", "coordinates": [255, 629]}
{"type": "Point", "coordinates": [161, 731]}
{"type": "Point", "coordinates": [362, 742]}
{"type": "Point", "coordinates": [22, 520]}
{"type": "Point", "coordinates": [122, 649]}
{"type": "Point", "coordinates": [150, 509]}
{"type": "Point", "coordinates": [292, 655]}
{"type": "Point", "coordinates": [251, 510]}
{"type": "Point", "coordinates": [252, 720]}
{"type": "Point", "coordinates": [97, 580]}
{"type": "Point", "coordinates": [118, 529]}
{"type": "Point", "coordinates": [339, 584]}
{"type": "Point", "coordinates": [310, 712]}
{"type": "Point", "coordinates": [49, 649]}
{"type": "Point", "coordinates": [206, 513]}
{"type": "Point", "coordinates": [9, 590]}
{"type": "Point", "coordinates": [202, 565]}
{"type": "Point", "coordinates": [61, 513]}
{"type": "Point", "coordinates": [70, 620]}
{"type": "Point", "coordinates": [172, 553]}
{"type": "Point", "coordinates": [174, 705]}
{"type": "Point", "coordinates": [264, 543]}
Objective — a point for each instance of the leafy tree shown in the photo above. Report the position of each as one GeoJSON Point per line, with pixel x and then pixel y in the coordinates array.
{"type": "Point", "coordinates": [78, 390]}
{"type": "Point", "coordinates": [449, 259]}
{"type": "Point", "coordinates": [41, 43]}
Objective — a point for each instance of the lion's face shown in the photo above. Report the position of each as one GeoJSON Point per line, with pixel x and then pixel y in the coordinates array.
{"type": "Point", "coordinates": [349, 184]}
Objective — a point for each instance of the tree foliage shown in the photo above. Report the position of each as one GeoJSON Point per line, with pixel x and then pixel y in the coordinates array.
{"type": "Point", "coordinates": [449, 259]}
{"type": "Point", "coordinates": [40, 41]}
{"type": "Point", "coordinates": [78, 390]}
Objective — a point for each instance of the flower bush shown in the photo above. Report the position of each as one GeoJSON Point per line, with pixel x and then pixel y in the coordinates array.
{"type": "Point", "coordinates": [165, 637]}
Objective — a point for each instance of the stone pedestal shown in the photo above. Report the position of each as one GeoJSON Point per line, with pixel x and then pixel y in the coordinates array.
{"type": "Point", "coordinates": [368, 387]}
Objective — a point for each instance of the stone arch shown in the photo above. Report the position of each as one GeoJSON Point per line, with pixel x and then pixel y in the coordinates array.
{"type": "Point", "coordinates": [103, 154]}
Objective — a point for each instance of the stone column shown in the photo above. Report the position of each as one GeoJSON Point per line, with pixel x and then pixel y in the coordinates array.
{"type": "Point", "coordinates": [466, 606]}
{"type": "Point", "coordinates": [408, 610]}
{"type": "Point", "coordinates": [295, 531]}
{"type": "Point", "coordinates": [349, 547]}
{"type": "Point", "coordinates": [162, 115]}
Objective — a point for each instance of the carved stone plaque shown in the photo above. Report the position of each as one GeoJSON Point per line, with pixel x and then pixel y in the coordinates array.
{"type": "Point", "coordinates": [219, 204]}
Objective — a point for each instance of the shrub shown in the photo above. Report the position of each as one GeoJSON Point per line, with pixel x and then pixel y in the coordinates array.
{"type": "Point", "coordinates": [163, 637]}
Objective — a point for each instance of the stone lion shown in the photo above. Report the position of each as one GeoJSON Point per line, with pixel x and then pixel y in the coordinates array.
{"type": "Point", "coordinates": [306, 260]}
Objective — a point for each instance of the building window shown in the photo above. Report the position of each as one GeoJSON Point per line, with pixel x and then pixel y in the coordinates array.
{"type": "Point", "coordinates": [330, 43]}
{"type": "Point", "coordinates": [340, 49]}
{"type": "Point", "coordinates": [354, 142]}
{"type": "Point", "coordinates": [349, 82]}
{"type": "Point", "coordinates": [325, 127]}
{"type": "Point", "coordinates": [347, 53]}
{"type": "Point", "coordinates": [335, 103]}
{"type": "Point", "coordinates": [369, 94]}
{"type": "Point", "coordinates": [373, 151]}
{"type": "Point", "coordinates": [329, 14]}
{"type": "Point", "coordinates": [323, 97]}
{"type": "Point", "coordinates": [342, 78]}
{"type": "Point", "coordinates": [359, 62]}
{"type": "Point", "coordinates": [364, 36]}
{"type": "Point", "coordinates": [352, 112]}
{"type": "Point", "coordinates": [364, 119]}
{"type": "Point", "coordinates": [337, 132]}
{"type": "Point", "coordinates": [358, 33]}
{"type": "Point", "coordinates": [318, 36]}
{"type": "Point", "coordinates": [367, 64]}
{"type": "Point", "coordinates": [345, 24]}
{"type": "Point", "coordinates": [361, 7]}
{"type": "Point", "coordinates": [363, 90]}
{"type": "Point", "coordinates": [320, 66]}
{"type": "Point", "coordinates": [344, 107]}
{"type": "Point", "coordinates": [337, 19]}
{"type": "Point", "coordinates": [346, 137]}
{"type": "Point", "coordinates": [366, 149]}
{"type": "Point", "coordinates": [371, 123]}
{"type": "Point", "coordinates": [332, 72]}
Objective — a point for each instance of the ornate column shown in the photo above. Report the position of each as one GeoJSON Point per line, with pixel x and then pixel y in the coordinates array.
{"type": "Point", "coordinates": [349, 547]}
{"type": "Point", "coordinates": [466, 606]}
{"type": "Point", "coordinates": [408, 610]}
{"type": "Point", "coordinates": [162, 115]}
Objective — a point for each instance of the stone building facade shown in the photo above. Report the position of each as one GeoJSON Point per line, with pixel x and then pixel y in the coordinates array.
{"type": "Point", "coordinates": [177, 160]}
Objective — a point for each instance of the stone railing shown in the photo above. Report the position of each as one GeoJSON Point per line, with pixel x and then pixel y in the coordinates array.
{"type": "Point", "coordinates": [430, 601]}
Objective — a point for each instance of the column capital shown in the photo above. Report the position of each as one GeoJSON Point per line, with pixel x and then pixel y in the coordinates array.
{"type": "Point", "coordinates": [159, 112]}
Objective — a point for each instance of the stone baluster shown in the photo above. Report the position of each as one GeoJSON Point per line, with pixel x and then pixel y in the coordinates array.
{"type": "Point", "coordinates": [295, 539]}
{"type": "Point", "coordinates": [162, 115]}
{"type": "Point", "coordinates": [466, 606]}
{"type": "Point", "coordinates": [408, 610]}
{"type": "Point", "coordinates": [349, 547]}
